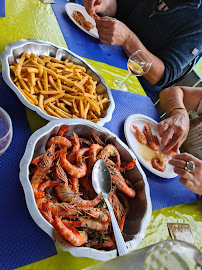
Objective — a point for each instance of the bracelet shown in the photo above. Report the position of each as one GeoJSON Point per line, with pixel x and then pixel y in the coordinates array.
{"type": "Point", "coordinates": [175, 108]}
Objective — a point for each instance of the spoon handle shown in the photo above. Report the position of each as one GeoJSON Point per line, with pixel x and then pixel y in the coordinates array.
{"type": "Point", "coordinates": [121, 245]}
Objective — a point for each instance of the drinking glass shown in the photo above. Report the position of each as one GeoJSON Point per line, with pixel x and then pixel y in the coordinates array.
{"type": "Point", "coordinates": [6, 130]}
{"type": "Point", "coordinates": [138, 64]}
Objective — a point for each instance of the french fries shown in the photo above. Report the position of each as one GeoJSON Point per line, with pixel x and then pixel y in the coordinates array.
{"type": "Point", "coordinates": [59, 88]}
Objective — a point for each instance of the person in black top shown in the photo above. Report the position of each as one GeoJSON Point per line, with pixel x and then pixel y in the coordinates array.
{"type": "Point", "coordinates": [169, 32]}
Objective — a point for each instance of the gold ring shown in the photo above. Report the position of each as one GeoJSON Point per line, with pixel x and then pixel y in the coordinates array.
{"type": "Point", "coordinates": [190, 165]}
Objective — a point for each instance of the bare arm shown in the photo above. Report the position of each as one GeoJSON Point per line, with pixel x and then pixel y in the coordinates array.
{"type": "Point", "coordinates": [180, 96]}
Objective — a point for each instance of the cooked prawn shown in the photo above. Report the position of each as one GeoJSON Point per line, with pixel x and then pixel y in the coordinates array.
{"type": "Point", "coordinates": [172, 153]}
{"type": "Point", "coordinates": [98, 140]}
{"type": "Point", "coordinates": [80, 19]}
{"type": "Point", "coordinates": [88, 223]}
{"type": "Point", "coordinates": [94, 15]}
{"type": "Point", "coordinates": [117, 206]}
{"type": "Point", "coordinates": [92, 155]}
{"type": "Point", "coordinates": [80, 155]}
{"type": "Point", "coordinates": [62, 130]}
{"type": "Point", "coordinates": [107, 242]}
{"type": "Point", "coordinates": [159, 162]}
{"type": "Point", "coordinates": [119, 181]}
{"type": "Point", "coordinates": [87, 186]}
{"type": "Point", "coordinates": [85, 142]}
{"type": "Point", "coordinates": [65, 193]}
{"type": "Point", "coordinates": [101, 214]}
{"type": "Point", "coordinates": [36, 160]}
{"type": "Point", "coordinates": [59, 141]}
{"type": "Point", "coordinates": [121, 185]}
{"type": "Point", "coordinates": [125, 202]}
{"type": "Point", "coordinates": [140, 136]}
{"type": "Point", "coordinates": [111, 150]}
{"type": "Point", "coordinates": [152, 140]}
{"type": "Point", "coordinates": [75, 184]}
{"type": "Point", "coordinates": [40, 194]}
{"type": "Point", "coordinates": [75, 237]}
{"type": "Point", "coordinates": [127, 166]}
{"type": "Point", "coordinates": [63, 210]}
{"type": "Point", "coordinates": [43, 167]}
{"type": "Point", "coordinates": [73, 170]}
{"type": "Point", "coordinates": [76, 146]}
{"type": "Point", "coordinates": [93, 152]}
{"type": "Point", "coordinates": [46, 212]}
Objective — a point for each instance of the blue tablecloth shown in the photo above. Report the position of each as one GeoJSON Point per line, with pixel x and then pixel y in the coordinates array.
{"type": "Point", "coordinates": [22, 241]}
{"type": "Point", "coordinates": [2, 8]}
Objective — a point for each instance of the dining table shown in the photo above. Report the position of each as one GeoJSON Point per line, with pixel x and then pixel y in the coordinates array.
{"type": "Point", "coordinates": [24, 245]}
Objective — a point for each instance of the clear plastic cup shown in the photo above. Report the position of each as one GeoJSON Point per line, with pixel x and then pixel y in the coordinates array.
{"type": "Point", "coordinates": [165, 255]}
{"type": "Point", "coordinates": [173, 254]}
{"type": "Point", "coordinates": [6, 130]}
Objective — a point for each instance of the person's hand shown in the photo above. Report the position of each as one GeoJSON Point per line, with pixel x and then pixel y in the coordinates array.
{"type": "Point", "coordinates": [174, 130]}
{"type": "Point", "coordinates": [193, 179]}
{"type": "Point", "coordinates": [95, 5]}
{"type": "Point", "coordinates": [112, 31]}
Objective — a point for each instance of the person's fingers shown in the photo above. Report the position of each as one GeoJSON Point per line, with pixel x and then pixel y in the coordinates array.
{"type": "Point", "coordinates": [167, 136]}
{"type": "Point", "coordinates": [105, 33]}
{"type": "Point", "coordinates": [162, 127]}
{"type": "Point", "coordinates": [181, 166]}
{"type": "Point", "coordinates": [88, 4]}
{"type": "Point", "coordinates": [177, 163]}
{"type": "Point", "coordinates": [183, 173]}
{"type": "Point", "coordinates": [173, 143]}
{"type": "Point", "coordinates": [105, 22]}
{"type": "Point", "coordinates": [92, 6]}
{"type": "Point", "coordinates": [187, 183]}
{"type": "Point", "coordinates": [176, 147]}
{"type": "Point", "coordinates": [186, 157]}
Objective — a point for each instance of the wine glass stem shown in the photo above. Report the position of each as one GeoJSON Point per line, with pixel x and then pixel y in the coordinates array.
{"type": "Point", "coordinates": [126, 78]}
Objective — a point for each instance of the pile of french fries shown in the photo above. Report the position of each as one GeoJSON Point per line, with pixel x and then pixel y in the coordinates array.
{"type": "Point", "coordinates": [59, 88]}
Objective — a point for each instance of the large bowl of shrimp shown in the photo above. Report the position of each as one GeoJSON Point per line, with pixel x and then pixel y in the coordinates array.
{"type": "Point", "coordinates": [56, 172]}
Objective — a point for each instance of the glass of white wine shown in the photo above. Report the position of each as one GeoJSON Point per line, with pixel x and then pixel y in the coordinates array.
{"type": "Point", "coordinates": [6, 130]}
{"type": "Point", "coordinates": [138, 64]}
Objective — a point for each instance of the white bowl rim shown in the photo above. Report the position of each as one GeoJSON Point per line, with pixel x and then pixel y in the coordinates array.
{"type": "Point", "coordinates": [6, 76]}
{"type": "Point", "coordinates": [44, 225]}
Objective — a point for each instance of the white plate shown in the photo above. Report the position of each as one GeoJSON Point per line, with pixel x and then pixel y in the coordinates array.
{"type": "Point", "coordinates": [70, 7]}
{"type": "Point", "coordinates": [143, 152]}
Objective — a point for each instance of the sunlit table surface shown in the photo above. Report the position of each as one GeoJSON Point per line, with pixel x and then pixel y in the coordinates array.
{"type": "Point", "coordinates": [33, 19]}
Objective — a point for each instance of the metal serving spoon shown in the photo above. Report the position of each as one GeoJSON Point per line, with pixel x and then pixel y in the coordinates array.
{"type": "Point", "coordinates": [101, 180]}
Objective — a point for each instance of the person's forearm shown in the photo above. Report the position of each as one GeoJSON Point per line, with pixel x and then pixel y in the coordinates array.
{"type": "Point", "coordinates": [194, 94]}
{"type": "Point", "coordinates": [180, 96]}
{"type": "Point", "coordinates": [157, 69]}
{"type": "Point", "coordinates": [171, 97]}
